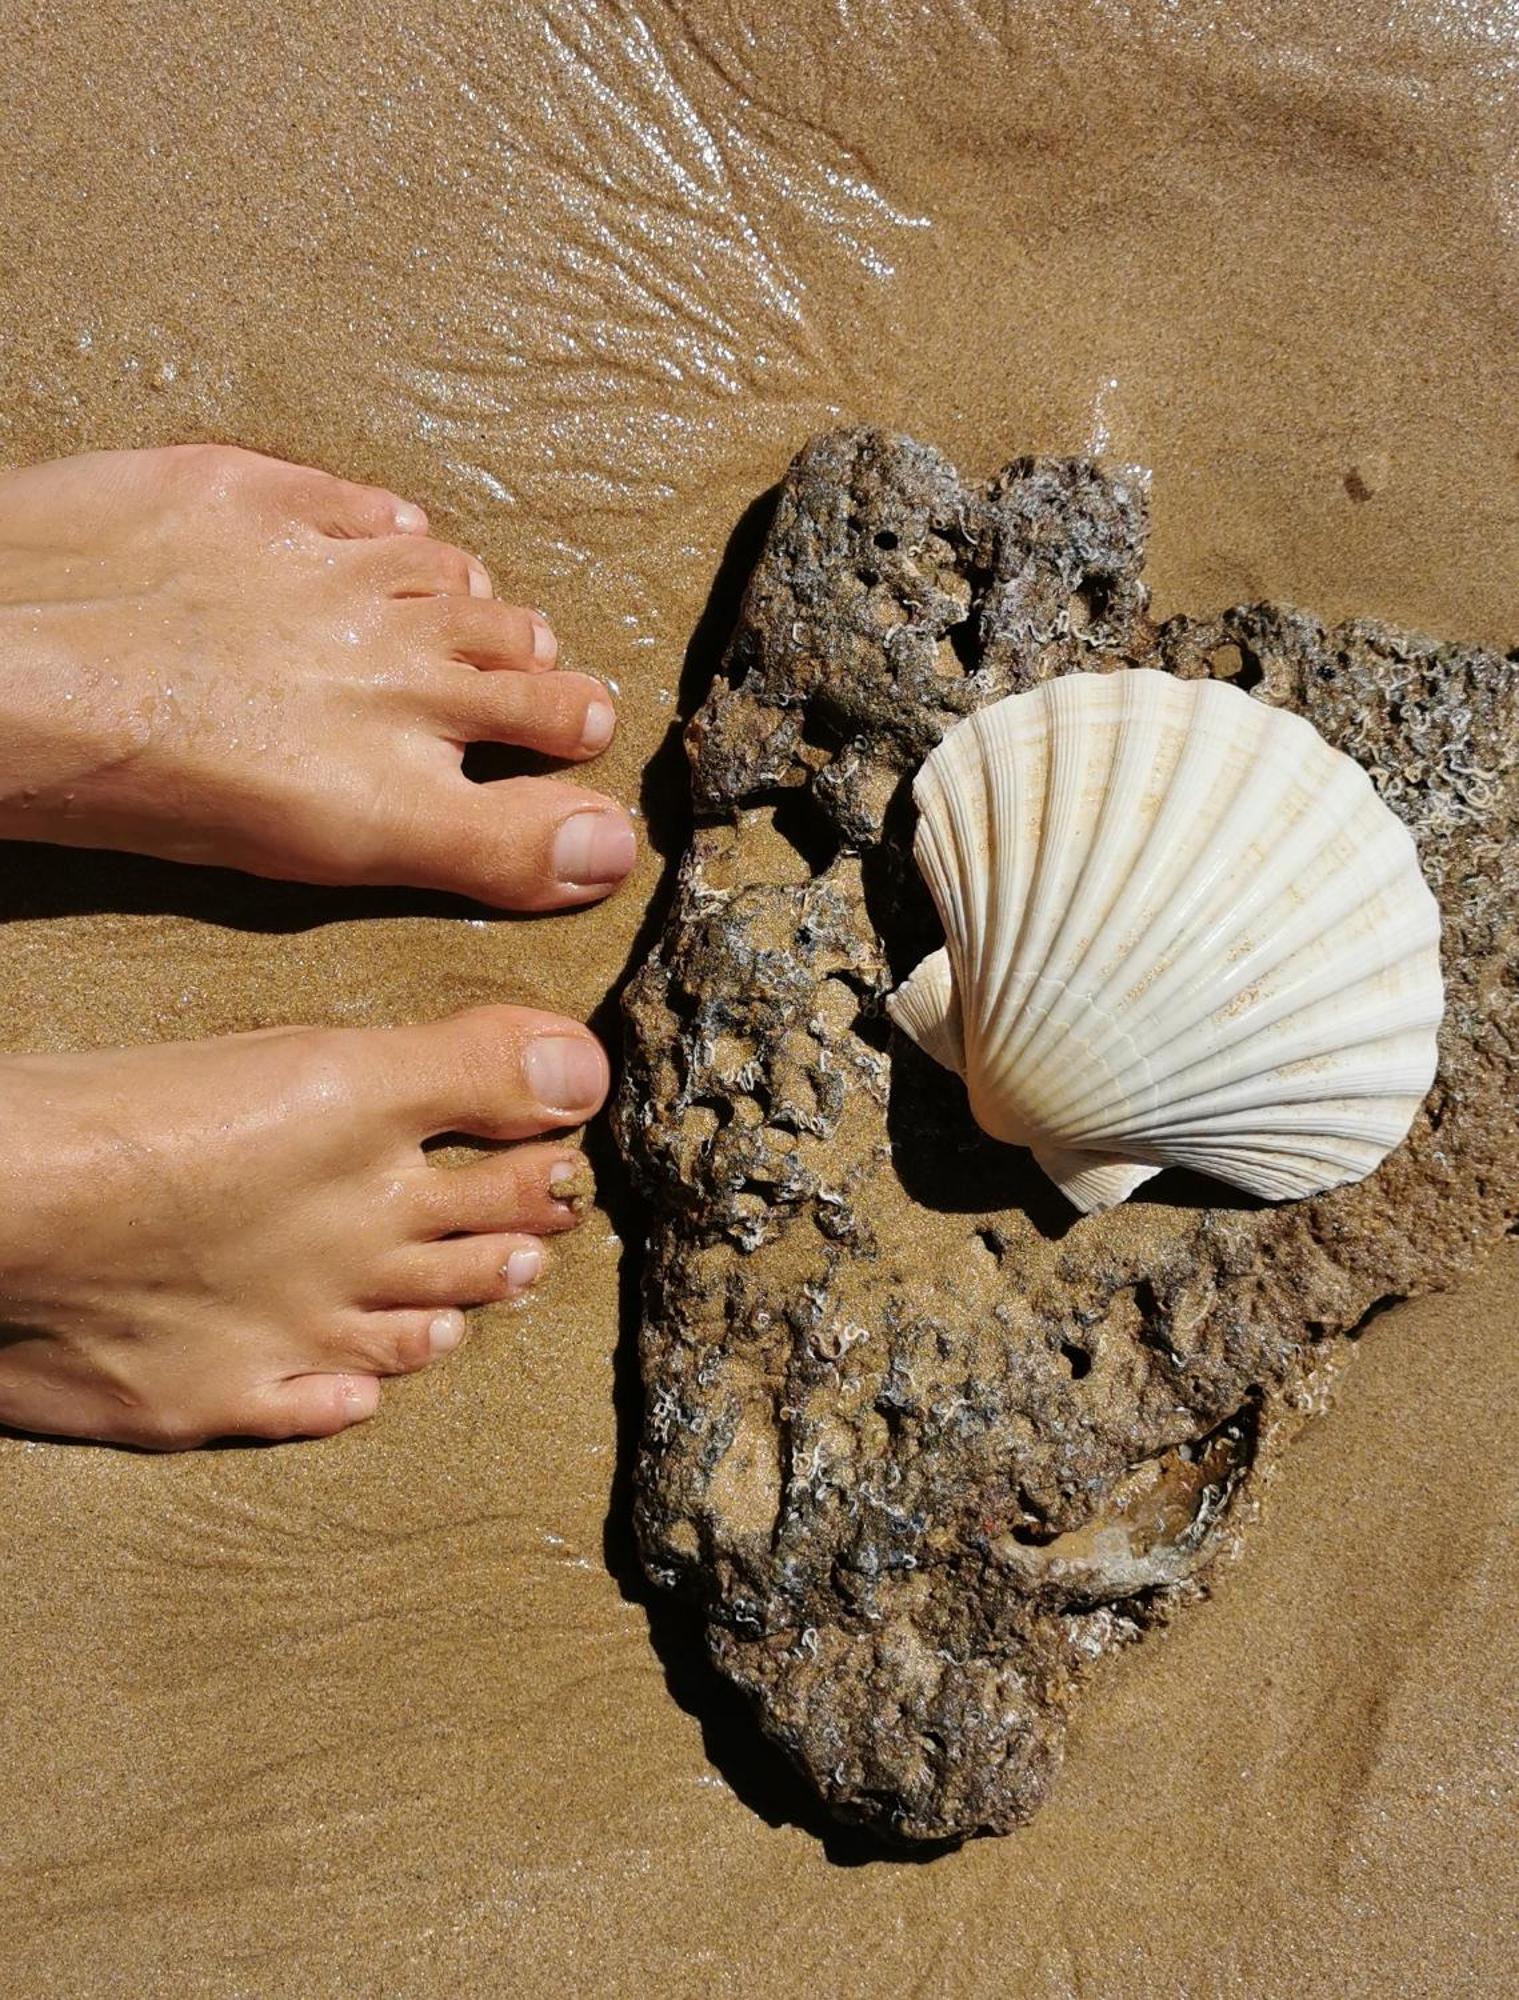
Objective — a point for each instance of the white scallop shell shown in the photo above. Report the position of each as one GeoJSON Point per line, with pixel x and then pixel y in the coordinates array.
{"type": "Point", "coordinates": [1181, 930]}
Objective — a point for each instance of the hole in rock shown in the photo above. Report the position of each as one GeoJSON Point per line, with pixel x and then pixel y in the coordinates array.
{"type": "Point", "coordinates": [1077, 1359]}
{"type": "Point", "coordinates": [1034, 1537]}
{"type": "Point", "coordinates": [965, 641]}
{"type": "Point", "coordinates": [886, 539]}
{"type": "Point", "coordinates": [1232, 663]}
{"type": "Point", "coordinates": [802, 823]}
{"type": "Point", "coordinates": [1091, 602]}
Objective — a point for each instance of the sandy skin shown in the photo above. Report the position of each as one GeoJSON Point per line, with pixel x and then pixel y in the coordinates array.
{"type": "Point", "coordinates": [211, 656]}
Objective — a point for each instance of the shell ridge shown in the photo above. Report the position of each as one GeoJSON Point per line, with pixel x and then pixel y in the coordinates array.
{"type": "Point", "coordinates": [1278, 944]}
{"type": "Point", "coordinates": [1312, 1018]}
{"type": "Point", "coordinates": [1138, 746]}
{"type": "Point", "coordinates": [1161, 907]}
{"type": "Point", "coordinates": [1284, 1081]}
{"type": "Point", "coordinates": [1020, 999]}
{"type": "Point", "coordinates": [1155, 863]}
{"type": "Point", "coordinates": [1348, 1118]}
{"type": "Point", "coordinates": [1108, 1024]}
{"type": "Point", "coordinates": [1019, 911]}
{"type": "Point", "coordinates": [1271, 1111]}
{"type": "Point", "coordinates": [1180, 928]}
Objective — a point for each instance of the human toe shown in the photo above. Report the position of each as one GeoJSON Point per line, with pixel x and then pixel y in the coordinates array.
{"type": "Point", "coordinates": [306, 1406]}
{"type": "Point", "coordinates": [560, 715]}
{"type": "Point", "coordinates": [516, 843]}
{"type": "Point", "coordinates": [416, 566]}
{"type": "Point", "coordinates": [345, 510]}
{"type": "Point", "coordinates": [542, 1189]}
{"type": "Point", "coordinates": [467, 1271]}
{"type": "Point", "coordinates": [498, 1073]}
{"type": "Point", "coordinates": [484, 632]}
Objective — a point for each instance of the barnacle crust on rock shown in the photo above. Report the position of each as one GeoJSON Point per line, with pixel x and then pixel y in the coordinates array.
{"type": "Point", "coordinates": [922, 1444]}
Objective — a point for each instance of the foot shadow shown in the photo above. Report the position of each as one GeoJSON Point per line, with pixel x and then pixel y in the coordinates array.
{"type": "Point", "coordinates": [38, 882]}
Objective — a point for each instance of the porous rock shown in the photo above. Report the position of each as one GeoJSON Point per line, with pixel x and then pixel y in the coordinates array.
{"type": "Point", "coordinates": [923, 1444]}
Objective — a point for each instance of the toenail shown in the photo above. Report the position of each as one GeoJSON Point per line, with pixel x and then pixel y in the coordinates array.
{"type": "Point", "coordinates": [564, 1072]}
{"type": "Point", "coordinates": [445, 1333]}
{"type": "Point", "coordinates": [545, 645]}
{"type": "Point", "coordinates": [596, 730]}
{"type": "Point", "coordinates": [523, 1268]}
{"type": "Point", "coordinates": [479, 582]}
{"type": "Point", "coordinates": [593, 847]}
{"type": "Point", "coordinates": [357, 1400]}
{"type": "Point", "coordinates": [410, 520]}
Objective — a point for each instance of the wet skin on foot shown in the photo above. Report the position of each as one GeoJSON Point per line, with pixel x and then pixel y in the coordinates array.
{"type": "Point", "coordinates": [208, 655]}
{"type": "Point", "coordinates": [241, 1237]}
{"type": "Point", "coordinates": [211, 656]}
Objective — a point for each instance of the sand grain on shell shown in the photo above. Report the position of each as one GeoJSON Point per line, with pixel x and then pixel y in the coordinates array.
{"type": "Point", "coordinates": [375, 1716]}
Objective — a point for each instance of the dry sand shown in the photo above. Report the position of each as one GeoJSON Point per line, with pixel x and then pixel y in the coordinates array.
{"type": "Point", "coordinates": [375, 1716]}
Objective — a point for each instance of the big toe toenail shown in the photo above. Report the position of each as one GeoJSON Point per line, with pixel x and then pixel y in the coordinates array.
{"type": "Point", "coordinates": [593, 847]}
{"type": "Point", "coordinates": [596, 730]}
{"type": "Point", "coordinates": [566, 1073]}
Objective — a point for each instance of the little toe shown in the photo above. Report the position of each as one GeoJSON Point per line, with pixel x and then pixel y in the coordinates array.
{"type": "Point", "coordinates": [409, 1326]}
{"type": "Point", "coordinates": [308, 1406]}
{"type": "Point", "coordinates": [347, 511]}
{"type": "Point", "coordinates": [515, 843]}
{"type": "Point", "coordinates": [541, 1189]}
{"type": "Point", "coordinates": [467, 1271]}
{"type": "Point", "coordinates": [498, 1073]}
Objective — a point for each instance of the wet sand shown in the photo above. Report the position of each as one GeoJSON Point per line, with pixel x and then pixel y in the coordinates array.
{"type": "Point", "coordinates": [379, 1715]}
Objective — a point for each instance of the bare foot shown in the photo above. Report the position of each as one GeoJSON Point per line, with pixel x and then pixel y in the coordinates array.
{"type": "Point", "coordinates": [213, 656]}
{"type": "Point", "coordinates": [240, 1237]}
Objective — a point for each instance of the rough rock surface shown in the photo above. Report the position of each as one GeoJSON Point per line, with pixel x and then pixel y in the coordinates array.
{"type": "Point", "coordinates": [925, 1444]}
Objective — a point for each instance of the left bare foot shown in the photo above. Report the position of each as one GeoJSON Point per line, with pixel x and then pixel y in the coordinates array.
{"type": "Point", "coordinates": [212, 656]}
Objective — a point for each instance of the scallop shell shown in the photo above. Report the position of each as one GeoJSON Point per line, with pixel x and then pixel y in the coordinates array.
{"type": "Point", "coordinates": [1181, 930]}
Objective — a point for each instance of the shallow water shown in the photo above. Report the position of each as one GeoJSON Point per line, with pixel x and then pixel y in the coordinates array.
{"type": "Point", "coordinates": [375, 1715]}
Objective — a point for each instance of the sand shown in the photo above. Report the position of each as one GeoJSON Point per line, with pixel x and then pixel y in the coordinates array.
{"type": "Point", "coordinates": [377, 1715]}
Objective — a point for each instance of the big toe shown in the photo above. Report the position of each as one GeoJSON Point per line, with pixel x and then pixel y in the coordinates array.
{"type": "Point", "coordinates": [517, 843]}
{"type": "Point", "coordinates": [497, 1073]}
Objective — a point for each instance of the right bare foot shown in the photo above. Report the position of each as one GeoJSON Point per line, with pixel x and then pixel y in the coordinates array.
{"type": "Point", "coordinates": [213, 656]}
{"type": "Point", "coordinates": [238, 1238]}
